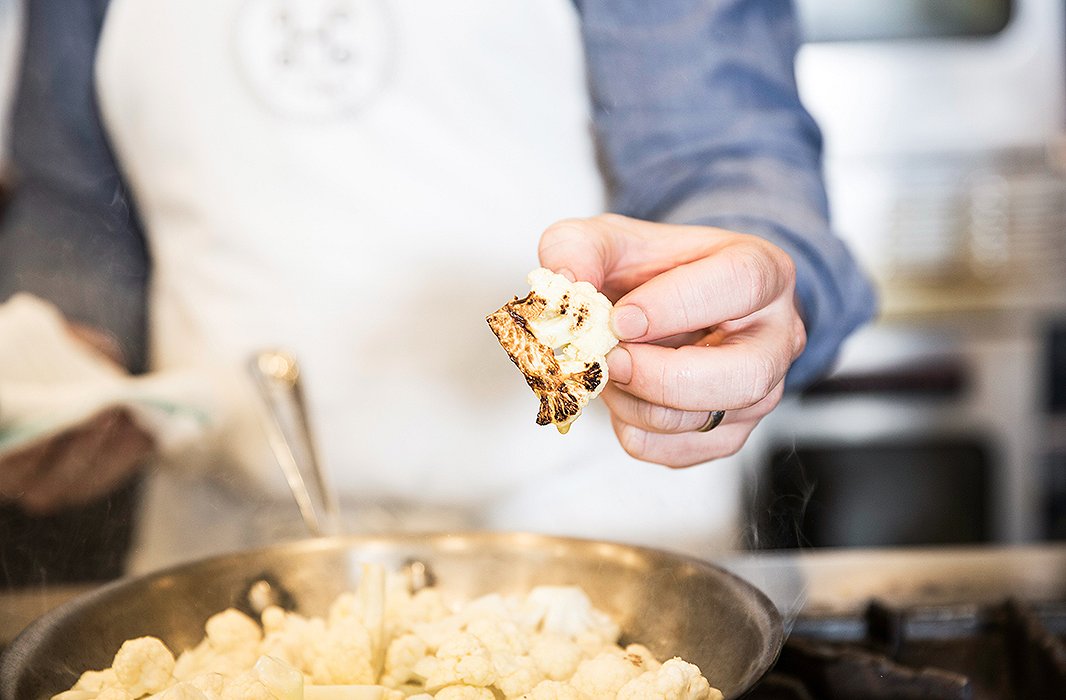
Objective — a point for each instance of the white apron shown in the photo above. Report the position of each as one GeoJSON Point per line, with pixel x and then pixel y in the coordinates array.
{"type": "Point", "coordinates": [362, 182]}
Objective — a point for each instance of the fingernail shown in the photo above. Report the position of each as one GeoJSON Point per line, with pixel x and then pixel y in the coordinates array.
{"type": "Point", "coordinates": [629, 322]}
{"type": "Point", "coordinates": [619, 365]}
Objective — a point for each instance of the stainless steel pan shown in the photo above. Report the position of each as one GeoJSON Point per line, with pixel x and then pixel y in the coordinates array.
{"type": "Point", "coordinates": [673, 604]}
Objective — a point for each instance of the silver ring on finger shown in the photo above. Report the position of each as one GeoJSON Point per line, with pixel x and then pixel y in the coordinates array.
{"type": "Point", "coordinates": [712, 422]}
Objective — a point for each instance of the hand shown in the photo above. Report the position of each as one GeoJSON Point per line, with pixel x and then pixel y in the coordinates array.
{"type": "Point", "coordinates": [709, 321]}
{"type": "Point", "coordinates": [82, 463]}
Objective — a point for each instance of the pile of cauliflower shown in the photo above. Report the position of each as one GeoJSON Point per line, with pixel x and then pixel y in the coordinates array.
{"type": "Point", "coordinates": [383, 642]}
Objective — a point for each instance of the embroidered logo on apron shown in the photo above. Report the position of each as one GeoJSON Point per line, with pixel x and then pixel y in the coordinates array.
{"type": "Point", "coordinates": [314, 59]}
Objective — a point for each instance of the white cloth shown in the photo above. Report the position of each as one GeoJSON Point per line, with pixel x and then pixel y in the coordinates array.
{"type": "Point", "coordinates": [51, 382]}
{"type": "Point", "coordinates": [361, 182]}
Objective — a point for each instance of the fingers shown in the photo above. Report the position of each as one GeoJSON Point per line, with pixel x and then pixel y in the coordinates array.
{"type": "Point", "coordinates": [740, 278]}
{"type": "Point", "coordinates": [126, 448]}
{"type": "Point", "coordinates": [99, 340]}
{"type": "Point", "coordinates": [739, 372]}
{"type": "Point", "coordinates": [616, 253]}
{"type": "Point", "coordinates": [710, 323]}
{"type": "Point", "coordinates": [668, 279]}
{"type": "Point", "coordinates": [667, 436]}
{"type": "Point", "coordinates": [69, 456]}
{"type": "Point", "coordinates": [650, 416]}
{"type": "Point", "coordinates": [580, 247]}
{"type": "Point", "coordinates": [18, 469]}
{"type": "Point", "coordinates": [85, 463]}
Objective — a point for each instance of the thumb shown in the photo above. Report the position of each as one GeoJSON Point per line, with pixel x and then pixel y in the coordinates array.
{"type": "Point", "coordinates": [578, 248]}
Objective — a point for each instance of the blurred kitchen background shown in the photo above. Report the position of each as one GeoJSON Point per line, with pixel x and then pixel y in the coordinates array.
{"type": "Point", "coordinates": [946, 161]}
{"type": "Point", "coordinates": [946, 420]}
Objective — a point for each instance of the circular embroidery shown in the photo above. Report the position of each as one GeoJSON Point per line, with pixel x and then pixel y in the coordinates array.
{"type": "Point", "coordinates": [314, 59]}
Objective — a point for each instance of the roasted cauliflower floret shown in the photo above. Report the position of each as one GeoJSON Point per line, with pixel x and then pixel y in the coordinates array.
{"type": "Point", "coordinates": [558, 336]}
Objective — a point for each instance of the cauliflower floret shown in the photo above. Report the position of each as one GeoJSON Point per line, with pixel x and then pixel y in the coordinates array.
{"type": "Point", "coordinates": [230, 647]}
{"type": "Point", "coordinates": [604, 675]}
{"type": "Point", "coordinates": [344, 655]}
{"type": "Point", "coordinates": [143, 666]}
{"type": "Point", "coordinates": [463, 659]}
{"type": "Point", "coordinates": [675, 680]}
{"type": "Point", "coordinates": [181, 691]}
{"type": "Point", "coordinates": [640, 655]}
{"type": "Point", "coordinates": [338, 653]}
{"type": "Point", "coordinates": [515, 674]}
{"type": "Point", "coordinates": [273, 619]}
{"type": "Point", "coordinates": [567, 610]}
{"type": "Point", "coordinates": [549, 645]}
{"type": "Point", "coordinates": [405, 610]}
{"type": "Point", "coordinates": [558, 336]}
{"type": "Point", "coordinates": [464, 692]}
{"type": "Point", "coordinates": [283, 680]}
{"type": "Point", "coordinates": [351, 692]}
{"type": "Point", "coordinates": [577, 317]}
{"type": "Point", "coordinates": [111, 693]}
{"type": "Point", "coordinates": [210, 684]}
{"type": "Point", "coordinates": [233, 632]}
{"type": "Point", "coordinates": [556, 655]}
{"type": "Point", "coordinates": [344, 607]}
{"type": "Point", "coordinates": [246, 686]}
{"type": "Point", "coordinates": [403, 655]}
{"type": "Point", "coordinates": [554, 690]}
{"type": "Point", "coordinates": [96, 681]}
{"type": "Point", "coordinates": [290, 637]}
{"type": "Point", "coordinates": [499, 634]}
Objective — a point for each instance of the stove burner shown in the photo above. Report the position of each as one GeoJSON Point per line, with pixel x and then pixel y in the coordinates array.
{"type": "Point", "coordinates": [1006, 651]}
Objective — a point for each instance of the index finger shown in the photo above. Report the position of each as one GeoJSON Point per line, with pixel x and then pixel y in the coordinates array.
{"type": "Point", "coordinates": [617, 253]}
{"type": "Point", "coordinates": [736, 280]}
{"type": "Point", "coordinates": [737, 373]}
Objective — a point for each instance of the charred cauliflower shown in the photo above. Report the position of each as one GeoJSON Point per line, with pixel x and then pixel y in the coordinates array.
{"type": "Point", "coordinates": [558, 336]}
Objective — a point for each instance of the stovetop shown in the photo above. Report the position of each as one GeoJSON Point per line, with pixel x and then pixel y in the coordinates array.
{"type": "Point", "coordinates": [936, 624]}
{"type": "Point", "coordinates": [999, 651]}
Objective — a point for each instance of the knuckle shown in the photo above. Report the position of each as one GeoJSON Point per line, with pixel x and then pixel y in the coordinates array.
{"type": "Point", "coordinates": [558, 237]}
{"type": "Point", "coordinates": [569, 224]}
{"type": "Point", "coordinates": [764, 270]}
{"type": "Point", "coordinates": [564, 230]}
{"type": "Point", "coordinates": [662, 418]}
{"type": "Point", "coordinates": [761, 374]}
{"type": "Point", "coordinates": [733, 444]}
{"type": "Point", "coordinates": [678, 386]}
{"type": "Point", "coordinates": [799, 338]}
{"type": "Point", "coordinates": [751, 272]}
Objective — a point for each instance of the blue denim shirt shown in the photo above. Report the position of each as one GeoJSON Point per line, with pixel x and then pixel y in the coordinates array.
{"type": "Point", "coordinates": [695, 110]}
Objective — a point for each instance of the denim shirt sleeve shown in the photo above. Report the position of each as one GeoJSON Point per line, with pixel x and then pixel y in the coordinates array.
{"type": "Point", "coordinates": [69, 234]}
{"type": "Point", "coordinates": [699, 121]}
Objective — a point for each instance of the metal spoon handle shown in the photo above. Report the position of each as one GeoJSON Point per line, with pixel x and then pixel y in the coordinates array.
{"type": "Point", "coordinates": [277, 376]}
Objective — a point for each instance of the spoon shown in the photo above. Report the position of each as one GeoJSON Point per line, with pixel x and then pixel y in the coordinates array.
{"type": "Point", "coordinates": [277, 376]}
